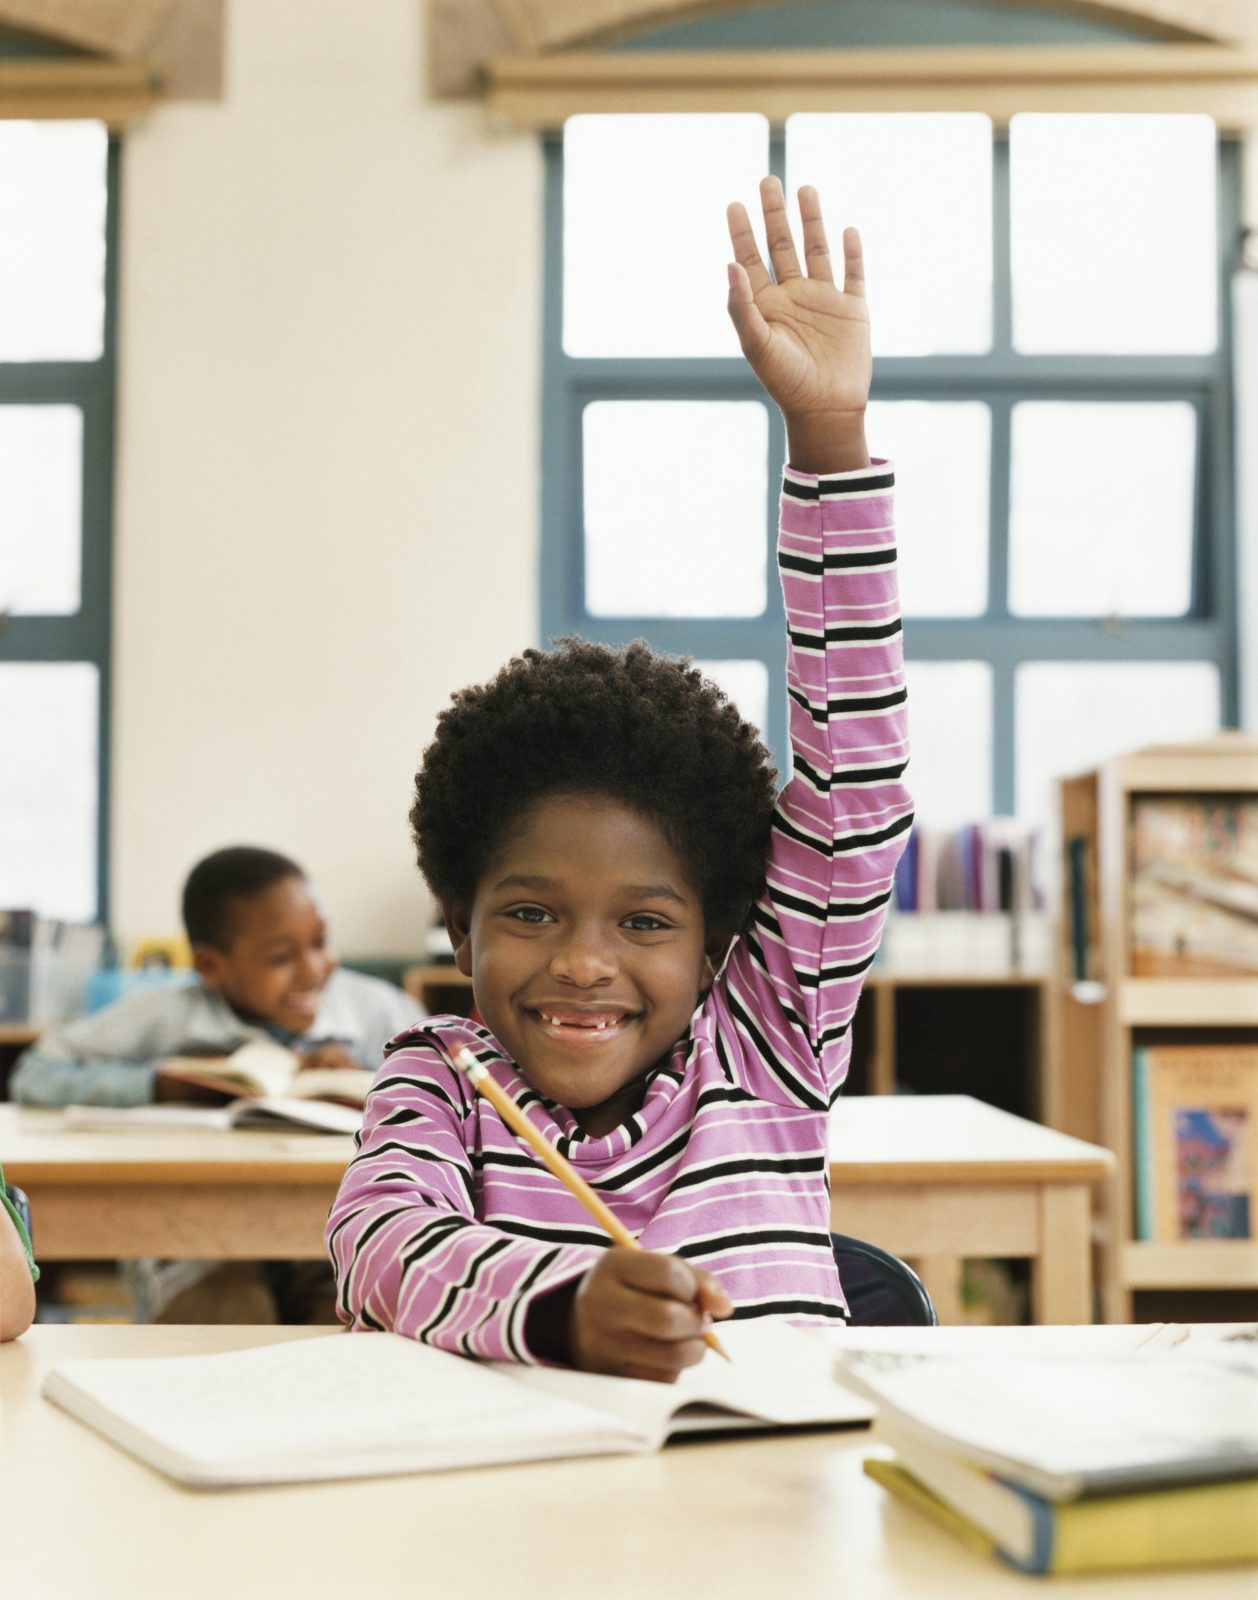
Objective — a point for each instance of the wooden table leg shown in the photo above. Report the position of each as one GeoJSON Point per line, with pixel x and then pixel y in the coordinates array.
{"type": "Point", "coordinates": [1061, 1274]}
{"type": "Point", "coordinates": [942, 1277]}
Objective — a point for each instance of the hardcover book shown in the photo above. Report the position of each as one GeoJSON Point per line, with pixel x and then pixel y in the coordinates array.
{"type": "Point", "coordinates": [1195, 1119]}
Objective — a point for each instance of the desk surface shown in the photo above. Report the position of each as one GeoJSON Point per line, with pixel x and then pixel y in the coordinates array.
{"type": "Point", "coordinates": [876, 1139]}
{"type": "Point", "coordinates": [735, 1519]}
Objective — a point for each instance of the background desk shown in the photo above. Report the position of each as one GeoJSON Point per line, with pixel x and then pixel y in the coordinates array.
{"type": "Point", "coordinates": [938, 1178]}
{"type": "Point", "coordinates": [755, 1518]}
{"type": "Point", "coordinates": [934, 1178]}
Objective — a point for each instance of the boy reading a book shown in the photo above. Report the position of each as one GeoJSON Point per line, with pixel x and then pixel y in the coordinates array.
{"type": "Point", "coordinates": [265, 970]}
{"type": "Point", "coordinates": [666, 964]}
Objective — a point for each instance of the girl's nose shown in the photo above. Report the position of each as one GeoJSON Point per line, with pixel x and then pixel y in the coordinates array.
{"type": "Point", "coordinates": [584, 958]}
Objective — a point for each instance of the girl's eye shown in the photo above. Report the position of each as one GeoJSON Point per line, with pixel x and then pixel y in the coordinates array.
{"type": "Point", "coordinates": [645, 922]}
{"type": "Point", "coordinates": [531, 914]}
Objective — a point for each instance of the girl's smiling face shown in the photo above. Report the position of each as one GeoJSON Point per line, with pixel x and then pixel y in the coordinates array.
{"type": "Point", "coordinates": [586, 948]}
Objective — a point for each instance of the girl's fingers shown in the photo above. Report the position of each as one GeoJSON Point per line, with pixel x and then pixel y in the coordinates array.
{"type": "Point", "coordinates": [853, 263]}
{"type": "Point", "coordinates": [816, 249]}
{"type": "Point", "coordinates": [777, 230]}
{"type": "Point", "coordinates": [746, 250]}
{"type": "Point", "coordinates": [749, 325]}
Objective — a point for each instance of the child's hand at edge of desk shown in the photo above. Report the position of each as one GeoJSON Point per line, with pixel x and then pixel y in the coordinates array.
{"type": "Point", "coordinates": [635, 1314]}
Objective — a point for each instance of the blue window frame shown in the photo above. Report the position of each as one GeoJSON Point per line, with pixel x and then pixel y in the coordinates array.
{"type": "Point", "coordinates": [1000, 378]}
{"type": "Point", "coordinates": [84, 634]}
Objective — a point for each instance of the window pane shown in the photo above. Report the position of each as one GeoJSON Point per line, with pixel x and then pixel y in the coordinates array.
{"type": "Point", "coordinates": [1101, 509]}
{"type": "Point", "coordinates": [950, 739]}
{"type": "Point", "coordinates": [919, 188]}
{"type": "Point", "coordinates": [48, 748]}
{"type": "Point", "coordinates": [1073, 715]}
{"type": "Point", "coordinates": [52, 240]}
{"type": "Point", "coordinates": [942, 537]}
{"type": "Point", "coordinates": [675, 508]}
{"type": "Point", "coordinates": [747, 685]}
{"type": "Point", "coordinates": [645, 241]}
{"type": "Point", "coordinates": [41, 456]}
{"type": "Point", "coordinates": [1114, 233]}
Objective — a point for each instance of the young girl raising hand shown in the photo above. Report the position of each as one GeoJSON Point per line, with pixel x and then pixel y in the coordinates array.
{"type": "Point", "coordinates": [666, 961]}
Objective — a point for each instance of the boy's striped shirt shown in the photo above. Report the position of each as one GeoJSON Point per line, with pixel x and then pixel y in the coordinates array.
{"type": "Point", "coordinates": [446, 1228]}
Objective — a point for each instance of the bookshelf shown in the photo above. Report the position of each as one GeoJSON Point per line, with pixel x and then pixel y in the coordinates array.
{"type": "Point", "coordinates": [1102, 1013]}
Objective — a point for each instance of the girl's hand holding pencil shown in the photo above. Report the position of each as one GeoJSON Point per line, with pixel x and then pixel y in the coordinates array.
{"type": "Point", "coordinates": [636, 1313]}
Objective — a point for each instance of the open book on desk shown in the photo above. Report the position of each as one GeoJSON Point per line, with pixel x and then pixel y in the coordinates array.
{"type": "Point", "coordinates": [272, 1071]}
{"type": "Point", "coordinates": [371, 1404]}
{"type": "Point", "coordinates": [268, 1113]}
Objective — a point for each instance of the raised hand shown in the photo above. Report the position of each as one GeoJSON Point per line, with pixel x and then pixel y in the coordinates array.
{"type": "Point", "coordinates": [804, 338]}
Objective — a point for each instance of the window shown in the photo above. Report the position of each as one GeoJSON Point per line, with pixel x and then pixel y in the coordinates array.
{"type": "Point", "coordinates": [1052, 377]}
{"type": "Point", "coordinates": [58, 207]}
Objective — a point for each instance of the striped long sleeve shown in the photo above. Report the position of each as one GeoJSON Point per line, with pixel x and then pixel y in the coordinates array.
{"type": "Point", "coordinates": [843, 818]}
{"type": "Point", "coordinates": [446, 1228]}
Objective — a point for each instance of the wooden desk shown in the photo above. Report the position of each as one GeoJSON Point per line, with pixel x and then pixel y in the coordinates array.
{"type": "Point", "coordinates": [933, 1178]}
{"type": "Point", "coordinates": [742, 1519]}
{"type": "Point", "coordinates": [937, 1178]}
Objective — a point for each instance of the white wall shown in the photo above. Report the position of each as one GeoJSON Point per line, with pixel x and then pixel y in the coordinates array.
{"type": "Point", "coordinates": [327, 493]}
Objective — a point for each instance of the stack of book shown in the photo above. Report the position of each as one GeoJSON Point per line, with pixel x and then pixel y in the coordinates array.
{"type": "Point", "coordinates": [1076, 1465]}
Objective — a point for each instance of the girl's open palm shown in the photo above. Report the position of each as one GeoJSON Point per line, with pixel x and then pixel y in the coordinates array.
{"type": "Point", "coordinates": [806, 339]}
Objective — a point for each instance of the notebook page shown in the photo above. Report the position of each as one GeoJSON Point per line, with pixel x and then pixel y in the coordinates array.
{"type": "Point", "coordinates": [777, 1375]}
{"type": "Point", "coordinates": [345, 1405]}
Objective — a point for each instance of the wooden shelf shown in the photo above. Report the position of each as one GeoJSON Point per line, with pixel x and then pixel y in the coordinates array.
{"type": "Point", "coordinates": [1193, 1264]}
{"type": "Point", "coordinates": [1094, 1042]}
{"type": "Point", "coordinates": [1188, 1002]}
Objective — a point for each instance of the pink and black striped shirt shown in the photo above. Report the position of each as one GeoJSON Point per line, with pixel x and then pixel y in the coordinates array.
{"type": "Point", "coordinates": [447, 1229]}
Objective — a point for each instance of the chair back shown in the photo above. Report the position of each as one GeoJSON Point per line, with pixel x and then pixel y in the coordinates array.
{"type": "Point", "coordinates": [881, 1290]}
{"type": "Point", "coordinates": [17, 1198]}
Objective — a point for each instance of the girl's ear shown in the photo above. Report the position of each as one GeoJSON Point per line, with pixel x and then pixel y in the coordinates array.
{"type": "Point", "coordinates": [458, 927]}
{"type": "Point", "coordinates": [715, 950]}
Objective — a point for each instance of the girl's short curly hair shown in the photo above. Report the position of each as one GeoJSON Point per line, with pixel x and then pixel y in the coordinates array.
{"type": "Point", "coordinates": [646, 729]}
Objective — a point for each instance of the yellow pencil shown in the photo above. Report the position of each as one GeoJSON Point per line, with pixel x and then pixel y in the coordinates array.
{"type": "Point", "coordinates": [555, 1163]}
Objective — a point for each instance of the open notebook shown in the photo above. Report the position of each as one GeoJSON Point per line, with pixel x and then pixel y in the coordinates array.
{"type": "Point", "coordinates": [364, 1405]}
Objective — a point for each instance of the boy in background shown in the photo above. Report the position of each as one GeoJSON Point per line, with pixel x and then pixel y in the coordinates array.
{"type": "Point", "coordinates": [266, 971]}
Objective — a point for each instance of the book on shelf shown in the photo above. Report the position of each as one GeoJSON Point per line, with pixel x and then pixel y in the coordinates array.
{"type": "Point", "coordinates": [1075, 1464]}
{"type": "Point", "coordinates": [1193, 894]}
{"type": "Point", "coordinates": [353, 1405]}
{"type": "Point", "coordinates": [262, 1069]}
{"type": "Point", "coordinates": [268, 1113]}
{"type": "Point", "coordinates": [1195, 1141]}
{"type": "Point", "coordinates": [1085, 964]}
{"type": "Point", "coordinates": [965, 902]}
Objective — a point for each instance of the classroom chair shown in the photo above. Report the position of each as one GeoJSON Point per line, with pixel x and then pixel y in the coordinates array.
{"type": "Point", "coordinates": [882, 1291]}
